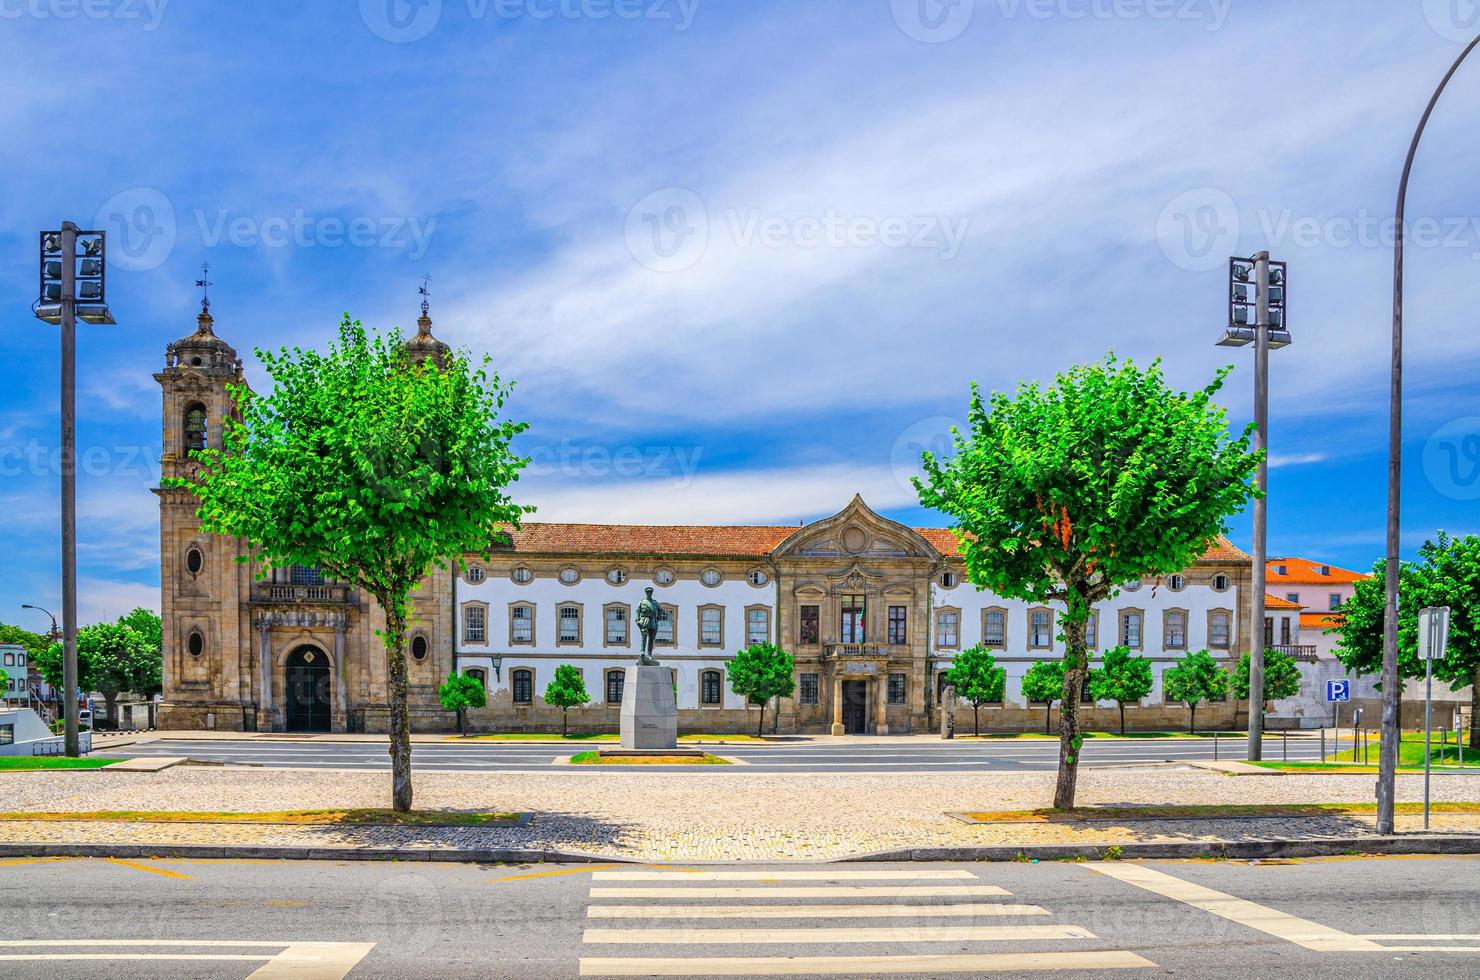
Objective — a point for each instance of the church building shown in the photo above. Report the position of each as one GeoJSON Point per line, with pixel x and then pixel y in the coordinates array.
{"type": "Point", "coordinates": [872, 611]}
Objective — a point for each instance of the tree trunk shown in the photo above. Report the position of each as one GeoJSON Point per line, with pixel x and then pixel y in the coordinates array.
{"type": "Point", "coordinates": [400, 714]}
{"type": "Point", "coordinates": [976, 720]}
{"type": "Point", "coordinates": [1048, 719]}
{"type": "Point", "coordinates": [109, 700]}
{"type": "Point", "coordinates": [1192, 718]}
{"type": "Point", "coordinates": [761, 724]}
{"type": "Point", "coordinates": [1122, 716]}
{"type": "Point", "coordinates": [564, 722]}
{"type": "Point", "coordinates": [460, 729]}
{"type": "Point", "coordinates": [1474, 713]}
{"type": "Point", "coordinates": [1076, 663]}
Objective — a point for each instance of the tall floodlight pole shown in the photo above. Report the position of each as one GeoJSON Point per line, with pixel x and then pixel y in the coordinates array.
{"type": "Point", "coordinates": [1387, 758]}
{"type": "Point", "coordinates": [1269, 330]}
{"type": "Point", "coordinates": [66, 276]}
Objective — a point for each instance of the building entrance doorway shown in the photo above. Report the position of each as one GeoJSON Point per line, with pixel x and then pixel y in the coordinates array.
{"type": "Point", "coordinates": [308, 691]}
{"type": "Point", "coordinates": [855, 707]}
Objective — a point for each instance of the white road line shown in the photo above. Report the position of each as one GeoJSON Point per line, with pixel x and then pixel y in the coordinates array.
{"type": "Point", "coordinates": [295, 961]}
{"type": "Point", "coordinates": [202, 957]}
{"type": "Point", "coordinates": [1281, 925]}
{"type": "Point", "coordinates": [882, 875]}
{"type": "Point", "coordinates": [904, 932]}
{"type": "Point", "coordinates": [1430, 949]}
{"type": "Point", "coordinates": [762, 966]}
{"type": "Point", "coordinates": [807, 891]}
{"type": "Point", "coordinates": [1420, 937]}
{"type": "Point", "coordinates": [314, 961]}
{"type": "Point", "coordinates": [963, 910]}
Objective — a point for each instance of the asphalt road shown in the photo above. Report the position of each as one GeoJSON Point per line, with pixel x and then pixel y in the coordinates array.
{"type": "Point", "coordinates": [1338, 918]}
{"type": "Point", "coordinates": [904, 755]}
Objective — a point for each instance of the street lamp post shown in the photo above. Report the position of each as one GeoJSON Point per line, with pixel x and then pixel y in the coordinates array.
{"type": "Point", "coordinates": [1269, 330]}
{"type": "Point", "coordinates": [1387, 759]}
{"type": "Point", "coordinates": [73, 286]}
{"type": "Point", "coordinates": [55, 633]}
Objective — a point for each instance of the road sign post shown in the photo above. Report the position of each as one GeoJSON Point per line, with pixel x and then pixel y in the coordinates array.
{"type": "Point", "coordinates": [1337, 694]}
{"type": "Point", "coordinates": [1433, 637]}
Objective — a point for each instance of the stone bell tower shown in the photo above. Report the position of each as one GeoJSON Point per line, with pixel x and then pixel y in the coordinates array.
{"type": "Point", "coordinates": [207, 680]}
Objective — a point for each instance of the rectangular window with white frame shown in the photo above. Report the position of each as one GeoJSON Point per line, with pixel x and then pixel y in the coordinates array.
{"type": "Point", "coordinates": [616, 626]}
{"type": "Point", "coordinates": [1174, 629]}
{"type": "Point", "coordinates": [569, 619]}
{"type": "Point", "coordinates": [711, 626]}
{"type": "Point", "coordinates": [521, 624]}
{"type": "Point", "coordinates": [1040, 629]}
{"type": "Point", "coordinates": [1220, 629]}
{"type": "Point", "coordinates": [994, 628]}
{"type": "Point", "coordinates": [475, 624]}
{"type": "Point", "coordinates": [1131, 621]}
{"type": "Point", "coordinates": [667, 627]}
{"type": "Point", "coordinates": [948, 628]}
{"type": "Point", "coordinates": [757, 626]}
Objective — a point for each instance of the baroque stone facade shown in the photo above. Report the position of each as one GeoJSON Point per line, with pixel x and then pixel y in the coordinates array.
{"type": "Point", "coordinates": [873, 612]}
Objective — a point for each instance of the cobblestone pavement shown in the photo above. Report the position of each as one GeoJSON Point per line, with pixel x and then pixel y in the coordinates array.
{"type": "Point", "coordinates": [693, 816]}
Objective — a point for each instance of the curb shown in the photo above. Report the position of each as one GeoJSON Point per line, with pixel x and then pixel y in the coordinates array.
{"type": "Point", "coordinates": [455, 855]}
{"type": "Point", "coordinates": [1234, 850]}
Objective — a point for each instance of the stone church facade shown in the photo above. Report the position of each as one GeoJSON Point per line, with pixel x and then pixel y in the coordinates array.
{"type": "Point", "coordinates": [873, 612]}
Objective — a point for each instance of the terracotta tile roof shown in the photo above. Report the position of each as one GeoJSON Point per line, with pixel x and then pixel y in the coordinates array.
{"type": "Point", "coordinates": [715, 539]}
{"type": "Point", "coordinates": [1274, 602]}
{"type": "Point", "coordinates": [629, 539]}
{"type": "Point", "coordinates": [1320, 620]}
{"type": "Point", "coordinates": [1303, 571]}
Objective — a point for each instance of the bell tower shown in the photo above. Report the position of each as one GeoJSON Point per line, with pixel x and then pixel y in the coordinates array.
{"type": "Point", "coordinates": [206, 677]}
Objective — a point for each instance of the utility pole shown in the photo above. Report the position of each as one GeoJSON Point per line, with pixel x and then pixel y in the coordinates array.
{"type": "Point", "coordinates": [58, 304]}
{"type": "Point", "coordinates": [1270, 330]}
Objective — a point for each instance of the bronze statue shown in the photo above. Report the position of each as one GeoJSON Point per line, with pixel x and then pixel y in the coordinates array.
{"type": "Point", "coordinates": [648, 615]}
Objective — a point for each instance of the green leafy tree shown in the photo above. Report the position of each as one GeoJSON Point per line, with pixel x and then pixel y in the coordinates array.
{"type": "Point", "coordinates": [1194, 679]}
{"type": "Point", "coordinates": [372, 464]}
{"type": "Point", "coordinates": [111, 658]}
{"type": "Point", "coordinates": [1044, 682]}
{"type": "Point", "coordinates": [1060, 494]}
{"type": "Point", "coordinates": [1122, 678]}
{"type": "Point", "coordinates": [1281, 677]}
{"type": "Point", "coordinates": [146, 623]}
{"type": "Point", "coordinates": [759, 673]}
{"type": "Point", "coordinates": [566, 690]}
{"type": "Point", "coordinates": [978, 680]}
{"type": "Point", "coordinates": [1446, 574]}
{"type": "Point", "coordinates": [34, 643]}
{"type": "Point", "coordinates": [458, 693]}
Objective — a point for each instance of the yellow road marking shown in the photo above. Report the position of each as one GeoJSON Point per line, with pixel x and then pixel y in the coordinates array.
{"type": "Point", "coordinates": [552, 874]}
{"type": "Point", "coordinates": [760, 966]}
{"type": "Point", "coordinates": [21, 861]}
{"type": "Point", "coordinates": [1281, 925]}
{"type": "Point", "coordinates": [144, 867]}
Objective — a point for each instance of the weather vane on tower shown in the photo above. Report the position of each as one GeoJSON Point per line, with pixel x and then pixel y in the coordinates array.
{"type": "Point", "coordinates": [205, 284]}
{"type": "Point", "coordinates": [426, 295]}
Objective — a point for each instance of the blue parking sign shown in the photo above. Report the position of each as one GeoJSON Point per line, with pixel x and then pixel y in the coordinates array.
{"type": "Point", "coordinates": [1337, 691]}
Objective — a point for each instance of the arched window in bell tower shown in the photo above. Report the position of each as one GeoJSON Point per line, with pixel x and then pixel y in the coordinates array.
{"type": "Point", "coordinates": [195, 427]}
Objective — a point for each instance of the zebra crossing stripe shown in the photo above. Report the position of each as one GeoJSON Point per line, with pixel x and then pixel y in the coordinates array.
{"type": "Point", "coordinates": [898, 933]}
{"type": "Point", "coordinates": [763, 966]}
{"type": "Point", "coordinates": [882, 875]}
{"type": "Point", "coordinates": [805, 891]}
{"type": "Point", "coordinates": [962, 910]}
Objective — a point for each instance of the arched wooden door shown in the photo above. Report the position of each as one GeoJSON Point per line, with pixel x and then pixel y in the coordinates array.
{"type": "Point", "coordinates": [308, 706]}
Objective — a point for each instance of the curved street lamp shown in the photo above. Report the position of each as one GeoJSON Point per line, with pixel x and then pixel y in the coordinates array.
{"type": "Point", "coordinates": [1388, 754]}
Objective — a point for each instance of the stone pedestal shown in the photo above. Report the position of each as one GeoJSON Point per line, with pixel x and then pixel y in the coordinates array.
{"type": "Point", "coordinates": [649, 714]}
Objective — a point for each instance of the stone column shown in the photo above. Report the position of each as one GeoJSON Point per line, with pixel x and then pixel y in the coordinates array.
{"type": "Point", "coordinates": [837, 705]}
{"type": "Point", "coordinates": [881, 723]}
{"type": "Point", "coordinates": [339, 671]}
{"type": "Point", "coordinates": [264, 675]}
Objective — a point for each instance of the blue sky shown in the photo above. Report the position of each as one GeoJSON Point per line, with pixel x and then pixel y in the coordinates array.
{"type": "Point", "coordinates": [744, 258]}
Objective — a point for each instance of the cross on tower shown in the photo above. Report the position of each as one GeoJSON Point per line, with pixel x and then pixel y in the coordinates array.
{"type": "Point", "coordinates": [205, 284]}
{"type": "Point", "coordinates": [426, 295]}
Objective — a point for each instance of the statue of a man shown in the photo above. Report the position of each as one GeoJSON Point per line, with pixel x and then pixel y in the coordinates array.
{"type": "Point", "coordinates": [648, 614]}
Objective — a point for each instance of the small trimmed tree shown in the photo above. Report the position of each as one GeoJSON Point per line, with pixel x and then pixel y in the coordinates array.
{"type": "Point", "coordinates": [458, 693]}
{"type": "Point", "coordinates": [1446, 574]}
{"type": "Point", "coordinates": [759, 673]}
{"type": "Point", "coordinates": [1122, 678]}
{"type": "Point", "coordinates": [371, 462]}
{"type": "Point", "coordinates": [1194, 679]}
{"type": "Point", "coordinates": [978, 680]}
{"type": "Point", "coordinates": [111, 658]}
{"type": "Point", "coordinates": [1060, 494]}
{"type": "Point", "coordinates": [1044, 682]}
{"type": "Point", "coordinates": [566, 690]}
{"type": "Point", "coordinates": [1281, 677]}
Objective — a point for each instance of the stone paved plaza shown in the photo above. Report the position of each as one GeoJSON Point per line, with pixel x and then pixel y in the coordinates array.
{"type": "Point", "coordinates": [693, 816]}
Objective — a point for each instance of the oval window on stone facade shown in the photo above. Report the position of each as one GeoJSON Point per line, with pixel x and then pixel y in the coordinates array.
{"type": "Point", "coordinates": [196, 644]}
{"type": "Point", "coordinates": [523, 575]}
{"type": "Point", "coordinates": [1177, 583]}
{"type": "Point", "coordinates": [570, 575]}
{"type": "Point", "coordinates": [663, 576]}
{"type": "Point", "coordinates": [475, 574]}
{"type": "Point", "coordinates": [711, 576]}
{"type": "Point", "coordinates": [1221, 582]}
{"type": "Point", "coordinates": [419, 648]}
{"type": "Point", "coordinates": [194, 561]}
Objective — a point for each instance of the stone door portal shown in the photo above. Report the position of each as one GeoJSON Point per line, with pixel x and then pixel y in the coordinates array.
{"type": "Point", "coordinates": [855, 707]}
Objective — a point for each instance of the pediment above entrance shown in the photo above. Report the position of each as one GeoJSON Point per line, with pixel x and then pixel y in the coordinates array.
{"type": "Point", "coordinates": [856, 532]}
